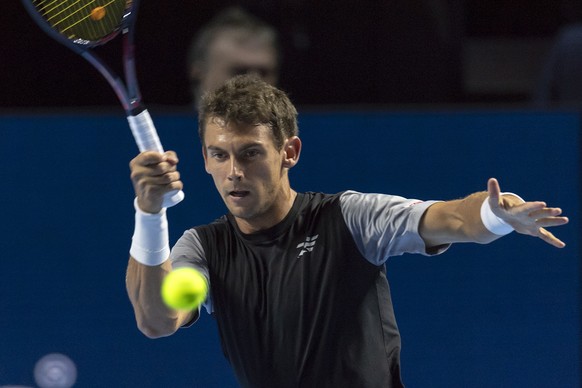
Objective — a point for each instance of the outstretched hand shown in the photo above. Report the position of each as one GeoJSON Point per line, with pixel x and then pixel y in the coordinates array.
{"type": "Point", "coordinates": [531, 218]}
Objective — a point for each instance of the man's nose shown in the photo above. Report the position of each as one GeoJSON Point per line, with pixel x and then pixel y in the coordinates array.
{"type": "Point", "coordinates": [235, 173]}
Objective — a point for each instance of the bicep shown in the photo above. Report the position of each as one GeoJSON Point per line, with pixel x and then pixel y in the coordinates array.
{"type": "Point", "coordinates": [384, 225]}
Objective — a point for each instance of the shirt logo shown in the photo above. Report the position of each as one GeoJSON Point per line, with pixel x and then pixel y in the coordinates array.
{"type": "Point", "coordinates": [308, 245]}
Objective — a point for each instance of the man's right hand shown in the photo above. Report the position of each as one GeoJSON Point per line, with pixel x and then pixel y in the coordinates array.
{"type": "Point", "coordinates": [153, 174]}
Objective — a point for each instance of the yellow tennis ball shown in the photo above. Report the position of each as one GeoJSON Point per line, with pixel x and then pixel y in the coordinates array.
{"type": "Point", "coordinates": [98, 13]}
{"type": "Point", "coordinates": [184, 289]}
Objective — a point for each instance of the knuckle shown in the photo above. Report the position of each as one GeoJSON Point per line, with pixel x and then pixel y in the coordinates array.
{"type": "Point", "coordinates": [167, 178]}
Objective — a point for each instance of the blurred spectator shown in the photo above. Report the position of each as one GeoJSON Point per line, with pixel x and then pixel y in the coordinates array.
{"type": "Point", "coordinates": [233, 42]}
{"type": "Point", "coordinates": [373, 52]}
{"type": "Point", "coordinates": [561, 79]}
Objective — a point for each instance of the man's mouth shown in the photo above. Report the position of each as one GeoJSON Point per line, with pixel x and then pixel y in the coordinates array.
{"type": "Point", "coordinates": [238, 193]}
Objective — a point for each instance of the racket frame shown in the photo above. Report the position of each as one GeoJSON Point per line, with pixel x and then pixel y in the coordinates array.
{"type": "Point", "coordinates": [128, 93]}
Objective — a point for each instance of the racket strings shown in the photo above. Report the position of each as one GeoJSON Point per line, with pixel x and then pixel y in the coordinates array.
{"type": "Point", "coordinates": [85, 19]}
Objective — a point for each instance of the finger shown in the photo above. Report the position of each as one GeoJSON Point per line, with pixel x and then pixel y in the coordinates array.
{"type": "Point", "coordinates": [157, 191]}
{"type": "Point", "coordinates": [152, 192]}
{"type": "Point", "coordinates": [545, 212]}
{"type": "Point", "coordinates": [550, 238]}
{"type": "Point", "coordinates": [552, 221]}
{"type": "Point", "coordinates": [531, 208]}
{"type": "Point", "coordinates": [161, 169]}
{"type": "Point", "coordinates": [167, 178]}
{"type": "Point", "coordinates": [494, 192]}
{"type": "Point", "coordinates": [171, 157]}
{"type": "Point", "coordinates": [175, 185]}
{"type": "Point", "coordinates": [147, 158]}
{"type": "Point", "coordinates": [159, 180]}
{"type": "Point", "coordinates": [141, 175]}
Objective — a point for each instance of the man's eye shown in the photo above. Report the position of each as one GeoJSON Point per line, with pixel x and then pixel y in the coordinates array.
{"type": "Point", "coordinates": [218, 155]}
{"type": "Point", "coordinates": [251, 153]}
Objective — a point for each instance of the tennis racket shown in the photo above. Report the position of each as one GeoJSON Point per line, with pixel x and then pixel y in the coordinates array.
{"type": "Point", "coordinates": [81, 25]}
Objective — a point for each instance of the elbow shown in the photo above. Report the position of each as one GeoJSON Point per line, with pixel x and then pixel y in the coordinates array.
{"type": "Point", "coordinates": [153, 331]}
{"type": "Point", "coordinates": [482, 237]}
{"type": "Point", "coordinates": [485, 239]}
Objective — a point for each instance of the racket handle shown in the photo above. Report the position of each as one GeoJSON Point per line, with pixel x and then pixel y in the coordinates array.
{"type": "Point", "coordinates": [147, 139]}
{"type": "Point", "coordinates": [144, 132]}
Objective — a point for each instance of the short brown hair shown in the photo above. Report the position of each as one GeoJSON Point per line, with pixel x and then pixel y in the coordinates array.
{"type": "Point", "coordinates": [247, 99]}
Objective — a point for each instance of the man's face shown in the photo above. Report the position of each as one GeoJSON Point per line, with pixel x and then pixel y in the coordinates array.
{"type": "Point", "coordinates": [248, 171]}
{"type": "Point", "coordinates": [234, 52]}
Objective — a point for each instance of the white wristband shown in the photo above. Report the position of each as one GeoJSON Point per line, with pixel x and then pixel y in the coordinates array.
{"type": "Point", "coordinates": [493, 223]}
{"type": "Point", "coordinates": [150, 242]}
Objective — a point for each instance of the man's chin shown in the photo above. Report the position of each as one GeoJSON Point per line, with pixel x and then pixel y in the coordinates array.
{"type": "Point", "coordinates": [238, 211]}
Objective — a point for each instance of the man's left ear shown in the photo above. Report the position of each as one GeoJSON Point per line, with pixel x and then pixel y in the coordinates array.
{"type": "Point", "coordinates": [292, 150]}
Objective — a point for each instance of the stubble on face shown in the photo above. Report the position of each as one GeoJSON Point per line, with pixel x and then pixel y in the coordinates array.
{"type": "Point", "coordinates": [248, 172]}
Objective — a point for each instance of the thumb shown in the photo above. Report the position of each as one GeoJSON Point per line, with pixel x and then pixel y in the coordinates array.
{"type": "Point", "coordinates": [494, 192]}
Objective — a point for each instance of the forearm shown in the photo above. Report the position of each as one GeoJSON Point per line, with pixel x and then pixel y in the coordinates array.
{"type": "Point", "coordinates": [148, 265]}
{"type": "Point", "coordinates": [153, 317]}
{"type": "Point", "coordinates": [486, 216]}
{"type": "Point", "coordinates": [456, 221]}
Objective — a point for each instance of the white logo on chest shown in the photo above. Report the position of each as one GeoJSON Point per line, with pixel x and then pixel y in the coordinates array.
{"type": "Point", "coordinates": [308, 245]}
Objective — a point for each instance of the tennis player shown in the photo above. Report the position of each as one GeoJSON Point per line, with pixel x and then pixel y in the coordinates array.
{"type": "Point", "coordinates": [297, 280]}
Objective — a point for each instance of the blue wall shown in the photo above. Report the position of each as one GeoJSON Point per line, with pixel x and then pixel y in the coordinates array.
{"type": "Point", "coordinates": [504, 314]}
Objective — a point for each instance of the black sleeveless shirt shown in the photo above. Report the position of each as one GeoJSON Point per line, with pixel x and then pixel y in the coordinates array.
{"type": "Point", "coordinates": [298, 305]}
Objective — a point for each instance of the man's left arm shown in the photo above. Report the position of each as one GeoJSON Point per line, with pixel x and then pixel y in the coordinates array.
{"type": "Point", "coordinates": [486, 216]}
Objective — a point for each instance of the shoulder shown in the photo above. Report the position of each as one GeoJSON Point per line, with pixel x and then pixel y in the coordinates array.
{"type": "Point", "coordinates": [385, 211]}
{"type": "Point", "coordinates": [351, 199]}
{"type": "Point", "coordinates": [216, 225]}
{"type": "Point", "coordinates": [318, 199]}
{"type": "Point", "coordinates": [199, 234]}
{"type": "Point", "coordinates": [352, 202]}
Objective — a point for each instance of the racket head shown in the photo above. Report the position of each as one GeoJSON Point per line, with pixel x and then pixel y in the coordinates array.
{"type": "Point", "coordinates": [82, 24]}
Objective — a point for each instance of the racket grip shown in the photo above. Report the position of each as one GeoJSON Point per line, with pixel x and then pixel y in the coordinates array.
{"type": "Point", "coordinates": [144, 132]}
{"type": "Point", "coordinates": [147, 139]}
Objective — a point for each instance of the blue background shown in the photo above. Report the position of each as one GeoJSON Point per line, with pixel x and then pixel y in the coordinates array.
{"type": "Point", "coordinates": [505, 314]}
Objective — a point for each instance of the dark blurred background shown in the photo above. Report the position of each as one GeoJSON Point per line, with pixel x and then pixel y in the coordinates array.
{"type": "Point", "coordinates": [480, 316]}
{"type": "Point", "coordinates": [334, 52]}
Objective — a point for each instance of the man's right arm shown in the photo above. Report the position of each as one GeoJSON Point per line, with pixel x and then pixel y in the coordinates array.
{"type": "Point", "coordinates": [152, 174]}
{"type": "Point", "coordinates": [154, 319]}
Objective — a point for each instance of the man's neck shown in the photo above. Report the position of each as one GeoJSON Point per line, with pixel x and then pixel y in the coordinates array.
{"type": "Point", "coordinates": [276, 215]}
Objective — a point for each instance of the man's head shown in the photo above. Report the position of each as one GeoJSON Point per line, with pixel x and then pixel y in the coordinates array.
{"type": "Point", "coordinates": [248, 100]}
{"type": "Point", "coordinates": [233, 43]}
{"type": "Point", "coordinates": [248, 130]}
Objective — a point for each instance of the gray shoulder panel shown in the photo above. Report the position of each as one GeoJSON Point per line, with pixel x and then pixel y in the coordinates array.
{"type": "Point", "coordinates": [384, 225]}
{"type": "Point", "coordinates": [188, 252]}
